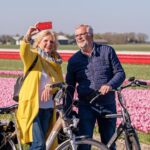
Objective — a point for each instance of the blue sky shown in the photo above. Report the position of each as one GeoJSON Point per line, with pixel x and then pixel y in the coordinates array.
{"type": "Point", "coordinates": [103, 15]}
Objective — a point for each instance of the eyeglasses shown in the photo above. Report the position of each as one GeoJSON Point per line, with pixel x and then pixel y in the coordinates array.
{"type": "Point", "coordinates": [52, 42]}
{"type": "Point", "coordinates": [82, 34]}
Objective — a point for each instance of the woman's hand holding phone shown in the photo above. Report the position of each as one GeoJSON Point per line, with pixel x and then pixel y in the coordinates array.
{"type": "Point", "coordinates": [36, 28]}
{"type": "Point", "coordinates": [44, 25]}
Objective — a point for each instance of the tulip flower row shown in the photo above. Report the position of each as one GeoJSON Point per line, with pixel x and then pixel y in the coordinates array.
{"type": "Point", "coordinates": [9, 72]}
{"type": "Point", "coordinates": [137, 101]}
{"type": "Point", "coordinates": [138, 105]}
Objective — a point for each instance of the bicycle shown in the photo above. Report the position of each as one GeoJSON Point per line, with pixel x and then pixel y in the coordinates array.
{"type": "Point", "coordinates": [125, 129]}
{"type": "Point", "coordinates": [9, 133]}
{"type": "Point", "coordinates": [68, 125]}
{"type": "Point", "coordinates": [8, 130]}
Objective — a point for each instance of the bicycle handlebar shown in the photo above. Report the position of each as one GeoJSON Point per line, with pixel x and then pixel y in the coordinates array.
{"type": "Point", "coordinates": [141, 83]}
{"type": "Point", "coordinates": [133, 82]}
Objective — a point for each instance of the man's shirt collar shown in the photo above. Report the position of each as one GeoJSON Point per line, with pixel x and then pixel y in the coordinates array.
{"type": "Point", "coordinates": [89, 54]}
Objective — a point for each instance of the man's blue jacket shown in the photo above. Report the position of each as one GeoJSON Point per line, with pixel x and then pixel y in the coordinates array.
{"type": "Point", "coordinates": [90, 73]}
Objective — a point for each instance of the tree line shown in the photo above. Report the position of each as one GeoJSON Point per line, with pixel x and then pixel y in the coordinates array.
{"type": "Point", "coordinates": [122, 38]}
{"type": "Point", "coordinates": [109, 37]}
{"type": "Point", "coordinates": [118, 38]}
{"type": "Point", "coordinates": [5, 39]}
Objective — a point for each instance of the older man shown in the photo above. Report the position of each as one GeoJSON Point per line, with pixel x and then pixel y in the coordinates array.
{"type": "Point", "coordinates": [94, 68]}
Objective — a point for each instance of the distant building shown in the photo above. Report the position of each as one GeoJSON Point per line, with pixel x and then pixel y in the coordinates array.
{"type": "Point", "coordinates": [8, 43]}
{"type": "Point", "coordinates": [17, 38]}
{"type": "Point", "coordinates": [63, 40]}
{"type": "Point", "coordinates": [72, 41]}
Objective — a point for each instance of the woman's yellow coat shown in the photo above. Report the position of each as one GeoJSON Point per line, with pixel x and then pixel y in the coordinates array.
{"type": "Point", "coordinates": [29, 97]}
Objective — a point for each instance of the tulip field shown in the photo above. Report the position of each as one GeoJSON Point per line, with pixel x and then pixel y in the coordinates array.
{"type": "Point", "coordinates": [137, 101]}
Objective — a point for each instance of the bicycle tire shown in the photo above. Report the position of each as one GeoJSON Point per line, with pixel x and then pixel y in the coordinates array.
{"type": "Point", "coordinates": [9, 145]}
{"type": "Point", "coordinates": [130, 143]}
{"type": "Point", "coordinates": [134, 143]}
{"type": "Point", "coordinates": [95, 145]}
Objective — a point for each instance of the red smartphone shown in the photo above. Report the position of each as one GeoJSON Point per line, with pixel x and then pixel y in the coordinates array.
{"type": "Point", "coordinates": [44, 25]}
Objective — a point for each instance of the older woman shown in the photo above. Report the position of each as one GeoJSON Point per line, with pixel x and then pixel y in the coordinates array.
{"type": "Point", "coordinates": [36, 107]}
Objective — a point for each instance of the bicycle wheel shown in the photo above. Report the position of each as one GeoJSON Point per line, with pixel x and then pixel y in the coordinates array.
{"type": "Point", "coordinates": [6, 145]}
{"type": "Point", "coordinates": [129, 143]}
{"type": "Point", "coordinates": [92, 144]}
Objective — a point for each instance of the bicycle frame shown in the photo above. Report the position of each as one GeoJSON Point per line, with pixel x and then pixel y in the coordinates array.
{"type": "Point", "coordinates": [62, 123]}
{"type": "Point", "coordinates": [58, 125]}
{"type": "Point", "coordinates": [124, 115]}
{"type": "Point", "coordinates": [11, 110]}
{"type": "Point", "coordinates": [125, 126]}
{"type": "Point", "coordinates": [16, 132]}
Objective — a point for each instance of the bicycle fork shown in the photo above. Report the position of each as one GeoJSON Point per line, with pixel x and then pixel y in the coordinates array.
{"type": "Point", "coordinates": [17, 132]}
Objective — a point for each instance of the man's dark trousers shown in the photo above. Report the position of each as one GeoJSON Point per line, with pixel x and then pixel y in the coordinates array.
{"type": "Point", "coordinates": [88, 118]}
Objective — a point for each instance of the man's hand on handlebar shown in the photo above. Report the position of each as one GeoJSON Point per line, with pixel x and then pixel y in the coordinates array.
{"type": "Point", "coordinates": [104, 89]}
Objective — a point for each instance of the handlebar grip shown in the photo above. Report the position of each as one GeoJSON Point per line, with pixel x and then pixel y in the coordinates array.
{"type": "Point", "coordinates": [59, 85]}
{"type": "Point", "coordinates": [58, 96]}
{"type": "Point", "coordinates": [141, 82]}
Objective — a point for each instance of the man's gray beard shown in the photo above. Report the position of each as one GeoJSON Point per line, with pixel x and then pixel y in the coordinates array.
{"type": "Point", "coordinates": [84, 46]}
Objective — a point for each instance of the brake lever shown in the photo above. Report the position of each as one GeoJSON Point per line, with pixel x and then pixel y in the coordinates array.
{"type": "Point", "coordinates": [94, 98]}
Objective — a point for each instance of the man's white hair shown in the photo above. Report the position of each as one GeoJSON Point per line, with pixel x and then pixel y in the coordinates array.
{"type": "Point", "coordinates": [89, 29]}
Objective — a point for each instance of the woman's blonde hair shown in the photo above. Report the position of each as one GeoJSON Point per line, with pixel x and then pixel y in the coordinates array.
{"type": "Point", "coordinates": [44, 33]}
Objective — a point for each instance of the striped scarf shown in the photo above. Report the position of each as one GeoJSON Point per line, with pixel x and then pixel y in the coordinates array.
{"type": "Point", "coordinates": [49, 57]}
